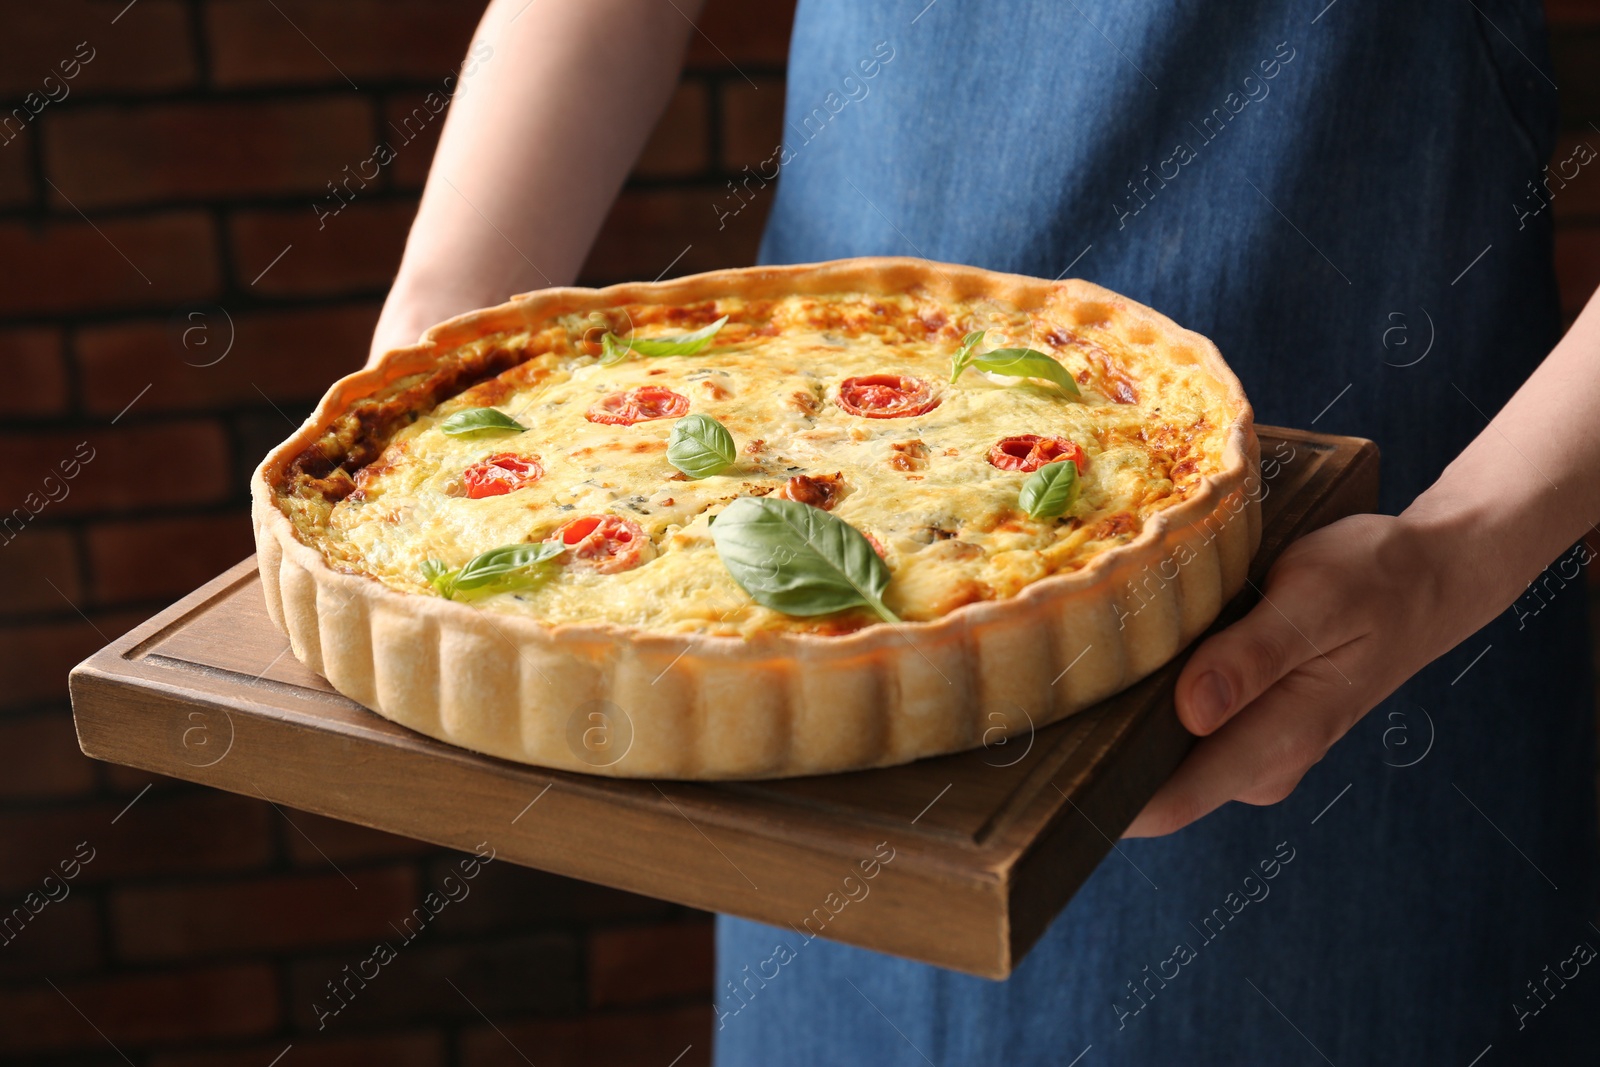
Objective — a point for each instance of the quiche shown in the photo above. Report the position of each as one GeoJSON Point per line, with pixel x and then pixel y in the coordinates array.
{"type": "Point", "coordinates": [763, 522]}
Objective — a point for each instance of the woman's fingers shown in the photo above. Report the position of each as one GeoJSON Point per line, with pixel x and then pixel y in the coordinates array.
{"type": "Point", "coordinates": [1311, 606]}
{"type": "Point", "coordinates": [1237, 665]}
{"type": "Point", "coordinates": [1349, 613]}
{"type": "Point", "coordinates": [1261, 753]}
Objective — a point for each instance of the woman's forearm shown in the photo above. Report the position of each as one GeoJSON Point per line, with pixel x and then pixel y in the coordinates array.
{"type": "Point", "coordinates": [1527, 486]}
{"type": "Point", "coordinates": [537, 143]}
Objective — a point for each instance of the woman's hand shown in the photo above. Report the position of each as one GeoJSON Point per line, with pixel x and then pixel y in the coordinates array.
{"type": "Point", "coordinates": [412, 307]}
{"type": "Point", "coordinates": [405, 316]}
{"type": "Point", "coordinates": [1349, 613]}
{"type": "Point", "coordinates": [1353, 610]}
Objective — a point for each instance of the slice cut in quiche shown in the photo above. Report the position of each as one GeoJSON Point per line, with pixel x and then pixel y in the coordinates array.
{"type": "Point", "coordinates": [763, 522]}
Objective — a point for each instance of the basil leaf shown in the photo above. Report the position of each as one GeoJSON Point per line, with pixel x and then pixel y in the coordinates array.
{"type": "Point", "coordinates": [476, 420]}
{"type": "Point", "coordinates": [609, 352]}
{"type": "Point", "coordinates": [687, 344]}
{"type": "Point", "coordinates": [700, 446]}
{"type": "Point", "coordinates": [498, 570]}
{"type": "Point", "coordinates": [440, 577]}
{"type": "Point", "coordinates": [1050, 490]}
{"type": "Point", "coordinates": [1026, 363]}
{"type": "Point", "coordinates": [505, 561]}
{"type": "Point", "coordinates": [964, 354]}
{"type": "Point", "coordinates": [798, 559]}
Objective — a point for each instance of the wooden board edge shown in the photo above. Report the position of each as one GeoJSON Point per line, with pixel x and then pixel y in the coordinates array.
{"type": "Point", "coordinates": [915, 885]}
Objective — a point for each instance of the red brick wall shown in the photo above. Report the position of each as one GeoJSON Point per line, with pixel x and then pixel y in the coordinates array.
{"type": "Point", "coordinates": [183, 159]}
{"type": "Point", "coordinates": [181, 163]}
{"type": "Point", "coordinates": [1575, 47]}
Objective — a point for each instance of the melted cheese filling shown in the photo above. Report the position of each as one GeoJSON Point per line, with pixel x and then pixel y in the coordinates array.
{"type": "Point", "coordinates": [946, 520]}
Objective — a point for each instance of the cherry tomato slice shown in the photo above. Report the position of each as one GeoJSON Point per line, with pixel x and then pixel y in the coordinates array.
{"type": "Point", "coordinates": [606, 543]}
{"type": "Point", "coordinates": [644, 404]}
{"type": "Point", "coordinates": [820, 491]}
{"type": "Point", "coordinates": [500, 474]}
{"type": "Point", "coordinates": [1028, 452]}
{"type": "Point", "coordinates": [886, 396]}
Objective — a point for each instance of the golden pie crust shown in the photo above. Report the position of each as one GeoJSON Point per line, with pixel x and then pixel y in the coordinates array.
{"type": "Point", "coordinates": [631, 701]}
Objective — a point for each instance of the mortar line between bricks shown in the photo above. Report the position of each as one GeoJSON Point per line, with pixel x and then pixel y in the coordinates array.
{"type": "Point", "coordinates": [48, 618]}
{"type": "Point", "coordinates": [711, 70]}
{"type": "Point", "coordinates": [36, 173]}
{"type": "Point", "coordinates": [74, 370]}
{"type": "Point", "coordinates": [198, 45]}
{"type": "Point", "coordinates": [713, 116]}
{"type": "Point", "coordinates": [248, 200]}
{"type": "Point", "coordinates": [283, 978]}
{"type": "Point", "coordinates": [696, 27]}
{"type": "Point", "coordinates": [238, 508]}
{"type": "Point", "coordinates": [35, 709]}
{"type": "Point", "coordinates": [700, 181]}
{"type": "Point", "coordinates": [451, 1036]}
{"type": "Point", "coordinates": [287, 870]}
{"type": "Point", "coordinates": [100, 900]}
{"type": "Point", "coordinates": [236, 433]}
{"type": "Point", "coordinates": [149, 315]}
{"type": "Point", "coordinates": [231, 290]}
{"type": "Point", "coordinates": [204, 91]}
{"type": "Point", "coordinates": [197, 509]}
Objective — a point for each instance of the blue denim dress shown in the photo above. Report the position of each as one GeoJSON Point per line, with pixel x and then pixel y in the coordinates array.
{"type": "Point", "coordinates": [1350, 200]}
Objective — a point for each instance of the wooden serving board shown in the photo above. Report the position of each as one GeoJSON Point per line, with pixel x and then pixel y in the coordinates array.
{"type": "Point", "coordinates": [987, 846]}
